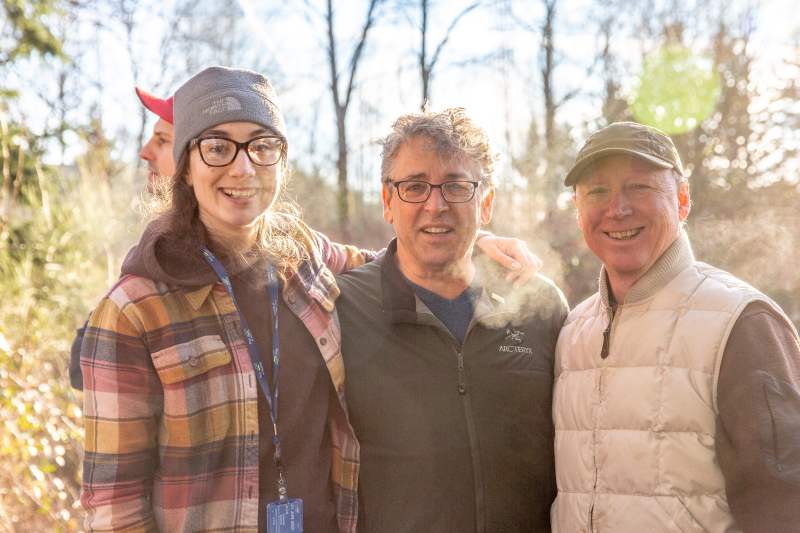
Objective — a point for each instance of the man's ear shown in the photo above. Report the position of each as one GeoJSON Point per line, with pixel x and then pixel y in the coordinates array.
{"type": "Point", "coordinates": [386, 196]}
{"type": "Point", "coordinates": [487, 206]}
{"type": "Point", "coordinates": [577, 211]}
{"type": "Point", "coordinates": [684, 200]}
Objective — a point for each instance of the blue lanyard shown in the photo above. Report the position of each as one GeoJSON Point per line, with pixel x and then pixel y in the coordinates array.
{"type": "Point", "coordinates": [255, 356]}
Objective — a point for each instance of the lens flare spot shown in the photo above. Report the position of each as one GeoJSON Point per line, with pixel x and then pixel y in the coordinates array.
{"type": "Point", "coordinates": [676, 90]}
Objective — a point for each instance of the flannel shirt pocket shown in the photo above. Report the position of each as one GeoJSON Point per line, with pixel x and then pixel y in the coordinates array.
{"type": "Point", "coordinates": [190, 359]}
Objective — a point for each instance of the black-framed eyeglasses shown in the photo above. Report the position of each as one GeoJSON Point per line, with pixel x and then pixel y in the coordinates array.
{"type": "Point", "coordinates": [416, 191]}
{"type": "Point", "coordinates": [217, 151]}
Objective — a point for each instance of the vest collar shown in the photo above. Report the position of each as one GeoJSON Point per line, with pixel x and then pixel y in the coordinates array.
{"type": "Point", "coordinates": [675, 258]}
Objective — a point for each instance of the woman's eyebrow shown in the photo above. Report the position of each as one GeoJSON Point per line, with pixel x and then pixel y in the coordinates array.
{"type": "Point", "coordinates": [223, 133]}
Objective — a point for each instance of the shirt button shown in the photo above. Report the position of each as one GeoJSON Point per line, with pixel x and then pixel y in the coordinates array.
{"type": "Point", "coordinates": [323, 341]}
{"type": "Point", "coordinates": [291, 299]}
{"type": "Point", "coordinates": [193, 361]}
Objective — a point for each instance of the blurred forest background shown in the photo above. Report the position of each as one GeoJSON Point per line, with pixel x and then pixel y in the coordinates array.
{"type": "Point", "coordinates": [71, 187]}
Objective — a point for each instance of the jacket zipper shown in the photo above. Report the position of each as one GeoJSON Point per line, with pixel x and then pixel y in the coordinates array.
{"type": "Point", "coordinates": [604, 353]}
{"type": "Point", "coordinates": [462, 381]}
{"type": "Point", "coordinates": [472, 433]}
{"type": "Point", "coordinates": [463, 389]}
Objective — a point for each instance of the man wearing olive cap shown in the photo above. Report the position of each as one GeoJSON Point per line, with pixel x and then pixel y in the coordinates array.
{"type": "Point", "coordinates": [677, 385]}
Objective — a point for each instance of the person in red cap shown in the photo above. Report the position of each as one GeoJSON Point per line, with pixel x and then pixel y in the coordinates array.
{"type": "Point", "coordinates": [157, 151]}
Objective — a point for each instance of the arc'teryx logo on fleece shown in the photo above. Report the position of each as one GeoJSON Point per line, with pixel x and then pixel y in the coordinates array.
{"type": "Point", "coordinates": [513, 341]}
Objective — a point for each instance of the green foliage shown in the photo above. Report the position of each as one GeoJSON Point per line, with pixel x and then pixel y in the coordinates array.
{"type": "Point", "coordinates": [676, 91]}
{"type": "Point", "coordinates": [58, 251]}
{"type": "Point", "coordinates": [27, 29]}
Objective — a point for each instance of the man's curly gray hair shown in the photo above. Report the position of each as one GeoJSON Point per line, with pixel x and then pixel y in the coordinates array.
{"type": "Point", "coordinates": [451, 133]}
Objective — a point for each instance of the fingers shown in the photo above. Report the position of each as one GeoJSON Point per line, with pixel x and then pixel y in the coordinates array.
{"type": "Point", "coordinates": [496, 248]}
{"type": "Point", "coordinates": [513, 255]}
{"type": "Point", "coordinates": [530, 264]}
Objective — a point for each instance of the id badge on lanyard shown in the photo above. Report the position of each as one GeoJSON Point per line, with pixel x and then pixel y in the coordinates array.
{"type": "Point", "coordinates": [284, 515]}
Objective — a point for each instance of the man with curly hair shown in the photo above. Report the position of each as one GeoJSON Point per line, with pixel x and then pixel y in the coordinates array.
{"type": "Point", "coordinates": [449, 366]}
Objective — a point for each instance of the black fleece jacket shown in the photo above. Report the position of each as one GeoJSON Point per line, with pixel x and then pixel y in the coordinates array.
{"type": "Point", "coordinates": [453, 437]}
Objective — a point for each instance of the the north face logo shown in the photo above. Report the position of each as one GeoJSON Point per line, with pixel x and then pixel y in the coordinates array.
{"type": "Point", "coordinates": [226, 104]}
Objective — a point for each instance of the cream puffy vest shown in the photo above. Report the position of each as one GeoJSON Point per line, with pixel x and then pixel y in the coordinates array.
{"type": "Point", "coordinates": [635, 432]}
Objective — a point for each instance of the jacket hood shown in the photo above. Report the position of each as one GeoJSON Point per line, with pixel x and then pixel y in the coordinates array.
{"type": "Point", "coordinates": [160, 257]}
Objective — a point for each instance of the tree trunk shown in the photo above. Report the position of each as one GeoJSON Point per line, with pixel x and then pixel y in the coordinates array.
{"type": "Point", "coordinates": [423, 56]}
{"type": "Point", "coordinates": [548, 47]}
{"type": "Point", "coordinates": [343, 199]}
{"type": "Point", "coordinates": [341, 104]}
{"type": "Point", "coordinates": [550, 107]}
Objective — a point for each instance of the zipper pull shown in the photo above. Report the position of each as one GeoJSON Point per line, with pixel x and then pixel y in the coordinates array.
{"type": "Point", "coordinates": [606, 341]}
{"type": "Point", "coordinates": [612, 312]}
{"type": "Point", "coordinates": [462, 382]}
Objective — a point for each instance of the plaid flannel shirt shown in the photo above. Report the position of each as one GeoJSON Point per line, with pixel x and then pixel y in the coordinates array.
{"type": "Point", "coordinates": [171, 409]}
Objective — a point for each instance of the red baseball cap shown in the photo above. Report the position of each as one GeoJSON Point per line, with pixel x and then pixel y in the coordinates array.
{"type": "Point", "coordinates": [159, 106]}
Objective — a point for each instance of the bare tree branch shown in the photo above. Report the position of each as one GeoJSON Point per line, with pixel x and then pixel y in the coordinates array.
{"type": "Point", "coordinates": [313, 10]}
{"type": "Point", "coordinates": [427, 66]}
{"type": "Point", "coordinates": [354, 61]}
{"type": "Point", "coordinates": [450, 29]}
{"type": "Point", "coordinates": [342, 105]}
{"type": "Point", "coordinates": [334, 70]}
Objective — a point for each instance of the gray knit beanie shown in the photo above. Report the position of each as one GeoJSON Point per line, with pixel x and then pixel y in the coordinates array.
{"type": "Point", "coordinates": [219, 94]}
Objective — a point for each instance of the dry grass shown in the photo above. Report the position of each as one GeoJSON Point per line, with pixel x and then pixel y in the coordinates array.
{"type": "Point", "coordinates": [62, 236]}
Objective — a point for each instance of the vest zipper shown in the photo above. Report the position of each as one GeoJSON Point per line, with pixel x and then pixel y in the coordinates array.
{"type": "Point", "coordinates": [604, 352]}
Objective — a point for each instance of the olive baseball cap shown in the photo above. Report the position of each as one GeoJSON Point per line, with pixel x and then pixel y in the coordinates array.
{"type": "Point", "coordinates": [629, 138]}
